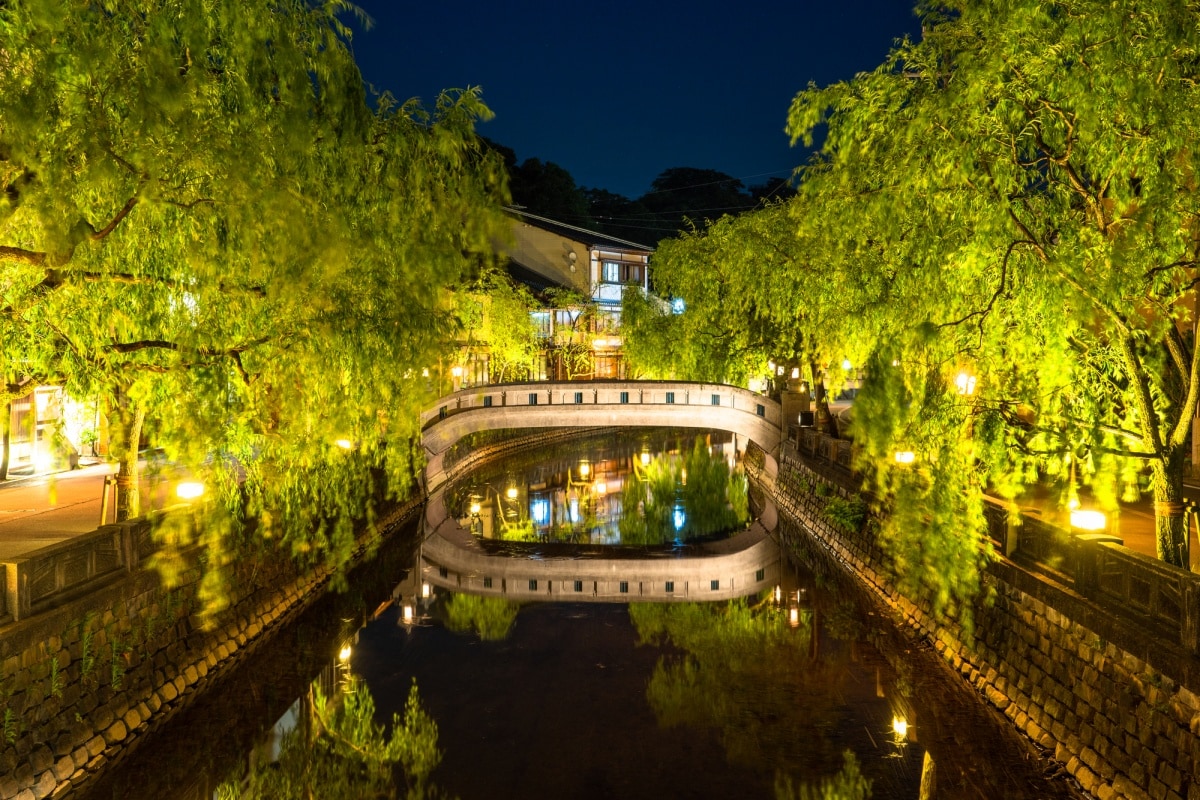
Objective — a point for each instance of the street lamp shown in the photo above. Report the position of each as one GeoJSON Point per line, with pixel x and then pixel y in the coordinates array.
{"type": "Point", "coordinates": [1088, 520]}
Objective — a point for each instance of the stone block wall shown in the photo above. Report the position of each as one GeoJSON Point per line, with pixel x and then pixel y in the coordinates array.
{"type": "Point", "coordinates": [81, 685]}
{"type": "Point", "coordinates": [1116, 706]}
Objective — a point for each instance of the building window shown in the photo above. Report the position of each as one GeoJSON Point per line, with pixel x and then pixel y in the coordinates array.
{"type": "Point", "coordinates": [624, 587]}
{"type": "Point", "coordinates": [487, 402]}
{"type": "Point", "coordinates": [533, 398]}
{"type": "Point", "coordinates": [714, 585]}
{"type": "Point", "coordinates": [670, 587]}
{"type": "Point", "coordinates": [533, 585]}
{"type": "Point", "coordinates": [578, 398]}
{"type": "Point", "coordinates": [443, 572]}
{"type": "Point", "coordinates": [760, 409]}
{"type": "Point", "coordinates": [579, 586]}
{"type": "Point", "coordinates": [716, 399]}
{"type": "Point", "coordinates": [670, 397]}
{"type": "Point", "coordinates": [487, 583]}
{"type": "Point", "coordinates": [624, 397]}
{"type": "Point", "coordinates": [610, 272]}
{"type": "Point", "coordinates": [442, 412]}
{"type": "Point", "coordinates": [758, 576]}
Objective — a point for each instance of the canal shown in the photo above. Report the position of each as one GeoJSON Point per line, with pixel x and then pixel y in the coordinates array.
{"type": "Point", "coordinates": [800, 690]}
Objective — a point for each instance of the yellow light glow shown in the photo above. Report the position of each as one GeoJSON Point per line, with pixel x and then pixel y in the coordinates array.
{"type": "Point", "coordinates": [584, 469]}
{"type": "Point", "coordinates": [645, 459]}
{"type": "Point", "coordinates": [456, 371]}
{"type": "Point", "coordinates": [905, 457]}
{"type": "Point", "coordinates": [846, 365]}
{"type": "Point", "coordinates": [1088, 520]}
{"type": "Point", "coordinates": [771, 366]}
{"type": "Point", "coordinates": [795, 373]}
{"type": "Point", "coordinates": [474, 508]}
{"type": "Point", "coordinates": [601, 487]}
{"type": "Point", "coordinates": [778, 594]}
{"type": "Point", "coordinates": [511, 493]}
{"type": "Point", "coordinates": [189, 490]}
{"type": "Point", "coordinates": [345, 444]}
{"type": "Point", "coordinates": [794, 617]}
{"type": "Point", "coordinates": [425, 372]}
{"type": "Point", "coordinates": [426, 589]}
{"type": "Point", "coordinates": [408, 614]}
{"type": "Point", "coordinates": [344, 653]}
{"type": "Point", "coordinates": [42, 462]}
{"type": "Point", "coordinates": [900, 726]}
{"type": "Point", "coordinates": [965, 382]}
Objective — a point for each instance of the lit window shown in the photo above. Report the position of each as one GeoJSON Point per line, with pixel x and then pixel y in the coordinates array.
{"type": "Point", "coordinates": [611, 272]}
{"type": "Point", "coordinates": [678, 306]}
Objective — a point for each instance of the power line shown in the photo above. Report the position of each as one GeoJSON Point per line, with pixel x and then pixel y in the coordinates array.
{"type": "Point", "coordinates": [713, 183]}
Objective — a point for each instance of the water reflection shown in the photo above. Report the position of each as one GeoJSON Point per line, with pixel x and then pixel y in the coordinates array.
{"type": "Point", "coordinates": [661, 488]}
{"type": "Point", "coordinates": [799, 691]}
{"type": "Point", "coordinates": [332, 747]}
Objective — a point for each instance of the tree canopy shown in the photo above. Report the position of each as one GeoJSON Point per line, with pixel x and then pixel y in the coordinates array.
{"type": "Point", "coordinates": [205, 218]}
{"type": "Point", "coordinates": [1001, 227]}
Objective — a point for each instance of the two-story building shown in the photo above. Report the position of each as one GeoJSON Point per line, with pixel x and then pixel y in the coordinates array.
{"type": "Point", "coordinates": [580, 340]}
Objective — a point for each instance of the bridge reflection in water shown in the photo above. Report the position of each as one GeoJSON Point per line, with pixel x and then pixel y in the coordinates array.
{"type": "Point", "coordinates": [574, 518]}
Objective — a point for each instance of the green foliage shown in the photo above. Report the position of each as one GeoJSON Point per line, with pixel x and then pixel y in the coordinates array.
{"type": "Point", "coordinates": [1004, 194]}
{"type": "Point", "coordinates": [56, 679]}
{"type": "Point", "coordinates": [10, 725]}
{"type": "Point", "coordinates": [493, 316]}
{"type": "Point", "coordinates": [87, 656]}
{"type": "Point", "coordinates": [116, 671]}
{"type": "Point", "coordinates": [231, 238]}
{"type": "Point", "coordinates": [699, 485]}
{"type": "Point", "coordinates": [747, 675]}
{"type": "Point", "coordinates": [491, 617]}
{"type": "Point", "coordinates": [848, 784]}
{"type": "Point", "coordinates": [344, 753]}
{"type": "Point", "coordinates": [846, 514]}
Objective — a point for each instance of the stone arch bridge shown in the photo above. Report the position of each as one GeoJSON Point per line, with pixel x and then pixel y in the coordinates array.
{"type": "Point", "coordinates": [451, 558]}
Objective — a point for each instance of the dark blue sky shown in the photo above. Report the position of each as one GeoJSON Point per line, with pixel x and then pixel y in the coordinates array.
{"type": "Point", "coordinates": [616, 91]}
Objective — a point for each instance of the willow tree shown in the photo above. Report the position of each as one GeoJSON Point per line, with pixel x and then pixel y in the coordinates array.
{"type": "Point", "coordinates": [205, 218]}
{"type": "Point", "coordinates": [1017, 192]}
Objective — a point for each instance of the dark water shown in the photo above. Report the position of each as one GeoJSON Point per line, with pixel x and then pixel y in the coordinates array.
{"type": "Point", "coordinates": [760, 697]}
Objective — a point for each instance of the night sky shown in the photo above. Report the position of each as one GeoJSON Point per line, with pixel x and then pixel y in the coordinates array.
{"type": "Point", "coordinates": [616, 91]}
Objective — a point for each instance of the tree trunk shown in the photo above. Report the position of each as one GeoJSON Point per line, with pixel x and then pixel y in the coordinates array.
{"type": "Point", "coordinates": [5, 438]}
{"type": "Point", "coordinates": [1170, 524]}
{"type": "Point", "coordinates": [127, 436]}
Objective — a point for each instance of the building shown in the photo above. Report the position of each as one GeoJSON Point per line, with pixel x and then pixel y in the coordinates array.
{"type": "Point", "coordinates": [580, 340]}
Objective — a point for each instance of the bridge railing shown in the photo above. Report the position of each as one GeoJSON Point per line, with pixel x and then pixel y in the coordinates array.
{"type": "Point", "coordinates": [605, 393]}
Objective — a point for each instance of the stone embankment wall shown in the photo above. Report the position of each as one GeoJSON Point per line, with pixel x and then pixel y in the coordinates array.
{"type": "Point", "coordinates": [1123, 720]}
{"type": "Point", "coordinates": [81, 685]}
